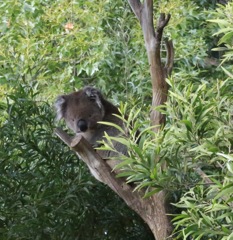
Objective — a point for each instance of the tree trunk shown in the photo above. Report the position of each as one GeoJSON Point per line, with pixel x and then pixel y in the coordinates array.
{"type": "Point", "coordinates": [144, 12]}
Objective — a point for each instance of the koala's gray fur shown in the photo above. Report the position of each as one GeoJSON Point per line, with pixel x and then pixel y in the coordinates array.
{"type": "Point", "coordinates": [82, 110]}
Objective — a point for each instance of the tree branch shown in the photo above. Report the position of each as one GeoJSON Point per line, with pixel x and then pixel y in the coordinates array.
{"type": "Point", "coordinates": [98, 167]}
{"type": "Point", "coordinates": [170, 57]}
{"type": "Point", "coordinates": [67, 139]}
{"type": "Point", "coordinates": [208, 181]}
{"type": "Point", "coordinates": [149, 209]}
{"type": "Point", "coordinates": [163, 21]}
{"type": "Point", "coordinates": [136, 7]}
{"type": "Point", "coordinates": [158, 71]}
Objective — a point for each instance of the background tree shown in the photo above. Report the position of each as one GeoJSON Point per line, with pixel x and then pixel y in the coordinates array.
{"type": "Point", "coordinates": [41, 58]}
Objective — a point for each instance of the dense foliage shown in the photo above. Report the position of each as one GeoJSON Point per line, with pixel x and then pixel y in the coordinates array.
{"type": "Point", "coordinates": [195, 146]}
{"type": "Point", "coordinates": [51, 47]}
{"type": "Point", "coordinates": [46, 192]}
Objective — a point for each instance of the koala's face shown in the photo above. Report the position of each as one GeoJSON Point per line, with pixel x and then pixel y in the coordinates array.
{"type": "Point", "coordinates": [81, 110]}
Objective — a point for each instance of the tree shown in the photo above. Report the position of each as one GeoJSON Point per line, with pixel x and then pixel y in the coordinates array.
{"type": "Point", "coordinates": [50, 48]}
{"type": "Point", "coordinates": [154, 209]}
{"type": "Point", "coordinates": [35, 184]}
{"type": "Point", "coordinates": [158, 76]}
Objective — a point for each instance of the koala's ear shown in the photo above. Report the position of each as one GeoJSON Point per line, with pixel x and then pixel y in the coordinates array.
{"type": "Point", "coordinates": [59, 105]}
{"type": "Point", "coordinates": [94, 95]}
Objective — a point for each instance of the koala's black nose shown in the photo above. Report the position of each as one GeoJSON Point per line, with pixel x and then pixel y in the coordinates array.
{"type": "Point", "coordinates": [82, 124]}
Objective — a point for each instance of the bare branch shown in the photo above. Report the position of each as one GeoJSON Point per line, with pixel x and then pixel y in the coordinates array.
{"type": "Point", "coordinates": [98, 167]}
{"type": "Point", "coordinates": [203, 176]}
{"type": "Point", "coordinates": [170, 57]}
{"type": "Point", "coordinates": [147, 17]}
{"type": "Point", "coordinates": [163, 21]}
{"type": "Point", "coordinates": [67, 139]}
{"type": "Point", "coordinates": [208, 181]}
{"type": "Point", "coordinates": [147, 25]}
{"type": "Point", "coordinates": [136, 7]}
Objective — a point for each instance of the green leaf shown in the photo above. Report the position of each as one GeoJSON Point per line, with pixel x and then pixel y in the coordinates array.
{"type": "Point", "coordinates": [113, 125]}
{"type": "Point", "coordinates": [226, 37]}
{"type": "Point", "coordinates": [151, 193]}
{"type": "Point", "coordinates": [124, 163]}
{"type": "Point", "coordinates": [219, 21]}
{"type": "Point", "coordinates": [227, 72]}
{"type": "Point", "coordinates": [226, 191]}
{"type": "Point", "coordinates": [188, 124]}
{"type": "Point", "coordinates": [125, 174]}
{"type": "Point", "coordinates": [121, 140]}
{"type": "Point", "coordinates": [178, 97]}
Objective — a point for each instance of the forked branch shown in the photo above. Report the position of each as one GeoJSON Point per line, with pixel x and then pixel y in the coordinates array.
{"type": "Point", "coordinates": [159, 71]}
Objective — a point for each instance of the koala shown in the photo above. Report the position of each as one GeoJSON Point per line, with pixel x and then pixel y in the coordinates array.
{"type": "Point", "coordinates": [82, 111]}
